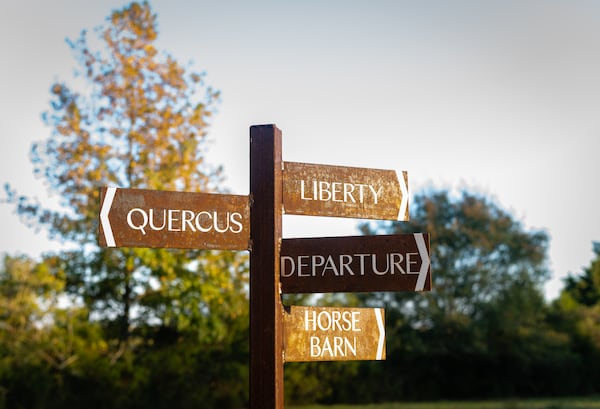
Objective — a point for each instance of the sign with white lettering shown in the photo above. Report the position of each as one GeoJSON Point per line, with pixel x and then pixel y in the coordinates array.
{"type": "Point", "coordinates": [333, 334]}
{"type": "Point", "coordinates": [162, 219]}
{"type": "Point", "coordinates": [356, 264]}
{"type": "Point", "coordinates": [325, 190]}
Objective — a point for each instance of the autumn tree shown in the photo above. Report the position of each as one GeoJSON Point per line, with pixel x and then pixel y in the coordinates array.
{"type": "Point", "coordinates": [134, 118]}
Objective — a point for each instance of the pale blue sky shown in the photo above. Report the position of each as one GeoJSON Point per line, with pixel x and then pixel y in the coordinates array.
{"type": "Point", "coordinates": [500, 97]}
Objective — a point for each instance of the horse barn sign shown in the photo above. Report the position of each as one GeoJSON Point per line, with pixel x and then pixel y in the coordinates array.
{"type": "Point", "coordinates": [333, 334]}
{"type": "Point", "coordinates": [278, 334]}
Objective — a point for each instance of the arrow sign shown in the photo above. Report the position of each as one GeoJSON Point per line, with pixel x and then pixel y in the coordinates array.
{"type": "Point", "coordinates": [325, 190]}
{"type": "Point", "coordinates": [152, 218]}
{"type": "Point", "coordinates": [356, 264]}
{"type": "Point", "coordinates": [333, 334]}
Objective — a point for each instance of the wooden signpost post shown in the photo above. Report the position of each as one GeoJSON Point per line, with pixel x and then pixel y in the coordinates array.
{"type": "Point", "coordinates": [147, 218]}
{"type": "Point", "coordinates": [266, 309]}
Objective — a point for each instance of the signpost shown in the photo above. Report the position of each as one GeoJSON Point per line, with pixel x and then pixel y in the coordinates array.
{"type": "Point", "coordinates": [266, 309]}
{"type": "Point", "coordinates": [153, 218]}
{"type": "Point", "coordinates": [356, 264]}
{"type": "Point", "coordinates": [324, 190]}
{"type": "Point", "coordinates": [334, 334]}
{"type": "Point", "coordinates": [159, 219]}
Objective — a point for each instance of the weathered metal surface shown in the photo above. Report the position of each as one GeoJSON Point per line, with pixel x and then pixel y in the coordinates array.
{"type": "Point", "coordinates": [356, 264]}
{"type": "Point", "coordinates": [333, 334]}
{"type": "Point", "coordinates": [325, 190]}
{"type": "Point", "coordinates": [266, 311]}
{"type": "Point", "coordinates": [163, 219]}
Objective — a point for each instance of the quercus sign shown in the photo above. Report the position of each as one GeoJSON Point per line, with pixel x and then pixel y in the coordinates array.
{"type": "Point", "coordinates": [187, 220]}
{"type": "Point", "coordinates": [149, 218]}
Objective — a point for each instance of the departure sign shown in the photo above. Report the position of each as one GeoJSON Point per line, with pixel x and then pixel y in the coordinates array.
{"type": "Point", "coordinates": [356, 264]}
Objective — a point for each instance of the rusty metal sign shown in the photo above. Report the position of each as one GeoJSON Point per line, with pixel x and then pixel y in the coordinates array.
{"type": "Point", "coordinates": [398, 262]}
{"type": "Point", "coordinates": [184, 220]}
{"type": "Point", "coordinates": [325, 190]}
{"type": "Point", "coordinates": [333, 334]}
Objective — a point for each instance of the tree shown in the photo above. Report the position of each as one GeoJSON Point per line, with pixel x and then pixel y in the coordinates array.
{"type": "Point", "coordinates": [584, 289]}
{"type": "Point", "coordinates": [477, 251]}
{"type": "Point", "coordinates": [487, 272]}
{"type": "Point", "coordinates": [140, 121]}
{"type": "Point", "coordinates": [577, 313]}
{"type": "Point", "coordinates": [135, 118]}
{"type": "Point", "coordinates": [42, 344]}
{"type": "Point", "coordinates": [28, 300]}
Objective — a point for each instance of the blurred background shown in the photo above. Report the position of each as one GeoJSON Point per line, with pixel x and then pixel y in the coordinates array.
{"type": "Point", "coordinates": [491, 107]}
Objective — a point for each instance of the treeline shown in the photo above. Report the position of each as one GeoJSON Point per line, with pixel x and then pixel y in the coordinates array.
{"type": "Point", "coordinates": [484, 331]}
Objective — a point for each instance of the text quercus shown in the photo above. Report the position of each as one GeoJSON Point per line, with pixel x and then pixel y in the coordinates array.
{"type": "Point", "coordinates": [184, 220]}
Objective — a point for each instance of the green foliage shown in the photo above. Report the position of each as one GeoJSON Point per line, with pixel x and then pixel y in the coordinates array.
{"type": "Point", "coordinates": [41, 342]}
{"type": "Point", "coordinates": [577, 312]}
{"type": "Point", "coordinates": [584, 289]}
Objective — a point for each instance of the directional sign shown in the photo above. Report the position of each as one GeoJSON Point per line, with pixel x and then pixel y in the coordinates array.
{"type": "Point", "coordinates": [324, 190]}
{"type": "Point", "coordinates": [356, 264]}
{"type": "Point", "coordinates": [333, 334]}
{"type": "Point", "coordinates": [152, 218]}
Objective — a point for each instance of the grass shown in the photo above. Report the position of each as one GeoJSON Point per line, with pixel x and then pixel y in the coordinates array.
{"type": "Point", "coordinates": [558, 403]}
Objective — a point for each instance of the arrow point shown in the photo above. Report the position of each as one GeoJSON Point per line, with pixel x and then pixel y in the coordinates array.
{"type": "Point", "coordinates": [104, 220]}
{"type": "Point", "coordinates": [403, 181]}
{"type": "Point", "coordinates": [381, 341]}
{"type": "Point", "coordinates": [425, 261]}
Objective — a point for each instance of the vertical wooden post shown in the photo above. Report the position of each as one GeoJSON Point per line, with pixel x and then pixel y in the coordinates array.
{"type": "Point", "coordinates": [266, 310]}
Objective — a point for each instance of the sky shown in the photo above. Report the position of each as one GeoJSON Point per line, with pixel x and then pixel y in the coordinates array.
{"type": "Point", "coordinates": [501, 98]}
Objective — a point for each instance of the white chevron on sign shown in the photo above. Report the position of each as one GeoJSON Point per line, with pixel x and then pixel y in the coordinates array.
{"type": "Point", "coordinates": [420, 240]}
{"type": "Point", "coordinates": [404, 201]}
{"type": "Point", "coordinates": [381, 326]}
{"type": "Point", "coordinates": [106, 227]}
